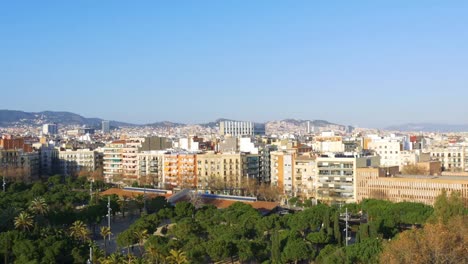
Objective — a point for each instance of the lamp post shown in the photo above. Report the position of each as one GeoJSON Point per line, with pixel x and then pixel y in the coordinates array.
{"type": "Point", "coordinates": [109, 215]}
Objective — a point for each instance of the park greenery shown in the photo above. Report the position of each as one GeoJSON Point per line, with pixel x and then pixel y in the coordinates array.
{"type": "Point", "coordinates": [59, 220]}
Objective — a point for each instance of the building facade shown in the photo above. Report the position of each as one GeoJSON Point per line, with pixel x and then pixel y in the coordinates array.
{"type": "Point", "coordinates": [336, 176]}
{"type": "Point", "coordinates": [241, 128]}
{"type": "Point", "coordinates": [374, 183]}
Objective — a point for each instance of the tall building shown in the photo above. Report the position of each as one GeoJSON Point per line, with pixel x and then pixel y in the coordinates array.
{"type": "Point", "coordinates": [336, 176]}
{"type": "Point", "coordinates": [282, 167]}
{"type": "Point", "coordinates": [49, 129]}
{"type": "Point", "coordinates": [105, 126]}
{"type": "Point", "coordinates": [241, 128]}
{"type": "Point", "coordinates": [112, 161]}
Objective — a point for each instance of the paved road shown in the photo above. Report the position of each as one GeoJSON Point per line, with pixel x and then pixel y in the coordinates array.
{"type": "Point", "coordinates": [118, 225]}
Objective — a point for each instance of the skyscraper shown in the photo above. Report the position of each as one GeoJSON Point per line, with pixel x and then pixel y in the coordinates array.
{"type": "Point", "coordinates": [105, 126]}
{"type": "Point", "coordinates": [49, 129]}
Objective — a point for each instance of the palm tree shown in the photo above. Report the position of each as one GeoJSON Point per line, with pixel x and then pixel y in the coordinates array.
{"type": "Point", "coordinates": [177, 257]}
{"type": "Point", "coordinates": [153, 254]}
{"type": "Point", "coordinates": [105, 232]}
{"type": "Point", "coordinates": [114, 258]}
{"type": "Point", "coordinates": [24, 221]}
{"type": "Point", "coordinates": [39, 206]}
{"type": "Point", "coordinates": [79, 230]}
{"type": "Point", "coordinates": [141, 235]}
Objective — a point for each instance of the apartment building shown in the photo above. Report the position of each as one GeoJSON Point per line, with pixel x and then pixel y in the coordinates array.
{"type": "Point", "coordinates": [150, 168]}
{"type": "Point", "coordinates": [336, 176]}
{"type": "Point", "coordinates": [18, 165]}
{"type": "Point", "coordinates": [180, 170]}
{"type": "Point", "coordinates": [282, 168]}
{"type": "Point", "coordinates": [71, 162]}
{"type": "Point", "coordinates": [377, 183]}
{"type": "Point", "coordinates": [453, 158]}
{"type": "Point", "coordinates": [130, 159]}
{"type": "Point", "coordinates": [241, 128]}
{"type": "Point", "coordinates": [219, 171]}
{"type": "Point", "coordinates": [328, 142]}
{"type": "Point", "coordinates": [112, 161]}
{"type": "Point", "coordinates": [304, 176]}
{"type": "Point", "coordinates": [388, 148]}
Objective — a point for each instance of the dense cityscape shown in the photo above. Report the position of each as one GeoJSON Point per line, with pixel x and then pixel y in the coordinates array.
{"type": "Point", "coordinates": [153, 194]}
{"type": "Point", "coordinates": [241, 132]}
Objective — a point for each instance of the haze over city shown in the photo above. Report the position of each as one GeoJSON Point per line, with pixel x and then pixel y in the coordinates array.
{"type": "Point", "coordinates": [370, 64]}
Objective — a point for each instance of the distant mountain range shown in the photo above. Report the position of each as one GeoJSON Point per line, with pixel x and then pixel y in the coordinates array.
{"type": "Point", "coordinates": [428, 127]}
{"type": "Point", "coordinates": [12, 118]}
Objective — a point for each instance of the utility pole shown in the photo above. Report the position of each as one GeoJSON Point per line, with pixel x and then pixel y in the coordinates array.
{"type": "Point", "coordinates": [109, 215]}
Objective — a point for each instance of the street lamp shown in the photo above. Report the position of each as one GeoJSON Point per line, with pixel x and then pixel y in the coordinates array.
{"type": "Point", "coordinates": [109, 215]}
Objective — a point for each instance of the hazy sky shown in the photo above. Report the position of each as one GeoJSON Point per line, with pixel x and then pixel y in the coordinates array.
{"type": "Point", "coordinates": [366, 63]}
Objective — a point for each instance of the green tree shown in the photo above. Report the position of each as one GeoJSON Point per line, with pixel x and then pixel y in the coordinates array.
{"type": "Point", "coordinates": [23, 221]}
{"type": "Point", "coordinates": [184, 209]}
{"type": "Point", "coordinates": [105, 233]}
{"type": "Point", "coordinates": [79, 231]}
{"type": "Point", "coordinates": [39, 206]}
{"type": "Point", "coordinates": [336, 228]}
{"type": "Point", "coordinates": [295, 250]}
{"type": "Point", "coordinates": [176, 257]}
{"type": "Point", "coordinates": [447, 207]}
{"type": "Point", "coordinates": [141, 236]}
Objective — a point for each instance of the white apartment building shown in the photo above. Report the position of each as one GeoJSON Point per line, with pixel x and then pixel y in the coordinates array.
{"type": "Point", "coordinates": [388, 148]}
{"type": "Point", "coordinates": [336, 176]}
{"type": "Point", "coordinates": [328, 142]}
{"type": "Point", "coordinates": [112, 161]}
{"type": "Point", "coordinates": [241, 128]}
{"type": "Point", "coordinates": [453, 158]}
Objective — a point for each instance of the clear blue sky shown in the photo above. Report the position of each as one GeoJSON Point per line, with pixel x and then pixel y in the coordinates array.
{"type": "Point", "coordinates": [366, 63]}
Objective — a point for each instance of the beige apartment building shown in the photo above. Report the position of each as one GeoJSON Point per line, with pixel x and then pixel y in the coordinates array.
{"type": "Point", "coordinates": [304, 176]}
{"type": "Point", "coordinates": [150, 168]}
{"type": "Point", "coordinates": [71, 162]}
{"type": "Point", "coordinates": [219, 171]}
{"type": "Point", "coordinates": [453, 158]}
{"type": "Point", "coordinates": [377, 183]}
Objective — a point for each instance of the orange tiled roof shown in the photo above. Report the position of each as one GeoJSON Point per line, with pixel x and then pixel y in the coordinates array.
{"type": "Point", "coordinates": [130, 194]}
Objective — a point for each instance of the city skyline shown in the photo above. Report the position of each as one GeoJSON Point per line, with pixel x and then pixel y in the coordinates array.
{"type": "Point", "coordinates": [366, 64]}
